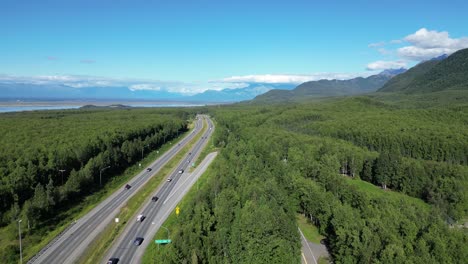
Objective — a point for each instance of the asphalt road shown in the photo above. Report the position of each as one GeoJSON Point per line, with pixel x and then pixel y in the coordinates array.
{"type": "Point", "coordinates": [156, 212]}
{"type": "Point", "coordinates": [72, 243]}
{"type": "Point", "coordinates": [308, 256]}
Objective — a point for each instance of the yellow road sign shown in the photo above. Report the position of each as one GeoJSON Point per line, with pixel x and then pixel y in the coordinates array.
{"type": "Point", "coordinates": [177, 210]}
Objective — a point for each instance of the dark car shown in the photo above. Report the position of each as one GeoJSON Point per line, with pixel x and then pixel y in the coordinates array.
{"type": "Point", "coordinates": [128, 186]}
{"type": "Point", "coordinates": [138, 241]}
{"type": "Point", "coordinates": [154, 199]}
{"type": "Point", "coordinates": [113, 261]}
{"type": "Point", "coordinates": [149, 169]}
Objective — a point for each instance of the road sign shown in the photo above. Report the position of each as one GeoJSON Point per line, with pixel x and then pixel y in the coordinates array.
{"type": "Point", "coordinates": [177, 210]}
{"type": "Point", "coordinates": [193, 164]}
{"type": "Point", "coordinates": [162, 241]}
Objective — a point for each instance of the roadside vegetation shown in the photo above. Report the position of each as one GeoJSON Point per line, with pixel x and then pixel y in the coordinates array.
{"type": "Point", "coordinates": [37, 145]}
{"type": "Point", "coordinates": [157, 254]}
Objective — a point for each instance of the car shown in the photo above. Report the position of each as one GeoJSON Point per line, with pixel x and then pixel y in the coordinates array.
{"type": "Point", "coordinates": [140, 218]}
{"type": "Point", "coordinates": [190, 153]}
{"type": "Point", "coordinates": [149, 169]}
{"type": "Point", "coordinates": [154, 198]}
{"type": "Point", "coordinates": [128, 186]}
{"type": "Point", "coordinates": [113, 261]}
{"type": "Point", "coordinates": [181, 171]}
{"type": "Point", "coordinates": [169, 180]}
{"type": "Point", "coordinates": [138, 241]}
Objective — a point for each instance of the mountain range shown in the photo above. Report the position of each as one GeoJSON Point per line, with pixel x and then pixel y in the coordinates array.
{"type": "Point", "coordinates": [436, 75]}
{"type": "Point", "coordinates": [14, 90]}
{"type": "Point", "coordinates": [326, 88]}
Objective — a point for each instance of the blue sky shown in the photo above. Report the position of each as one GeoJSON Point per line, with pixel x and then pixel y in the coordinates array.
{"type": "Point", "coordinates": [205, 41]}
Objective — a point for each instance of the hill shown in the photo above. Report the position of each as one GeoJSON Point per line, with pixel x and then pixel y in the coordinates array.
{"type": "Point", "coordinates": [327, 88]}
{"type": "Point", "coordinates": [433, 76]}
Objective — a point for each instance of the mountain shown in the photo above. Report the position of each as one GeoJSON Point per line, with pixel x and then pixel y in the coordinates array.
{"type": "Point", "coordinates": [239, 94]}
{"type": "Point", "coordinates": [327, 88]}
{"type": "Point", "coordinates": [393, 72]}
{"type": "Point", "coordinates": [440, 74]}
{"type": "Point", "coordinates": [58, 91]}
{"type": "Point", "coordinates": [15, 90]}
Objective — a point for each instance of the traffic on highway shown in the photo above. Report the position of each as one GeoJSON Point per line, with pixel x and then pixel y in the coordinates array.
{"type": "Point", "coordinates": [72, 243]}
{"type": "Point", "coordinates": [126, 250]}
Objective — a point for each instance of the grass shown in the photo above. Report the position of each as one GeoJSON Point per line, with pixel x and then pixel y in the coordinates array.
{"type": "Point", "coordinates": [309, 230]}
{"type": "Point", "coordinates": [323, 260]}
{"type": "Point", "coordinates": [375, 191]}
{"type": "Point", "coordinates": [103, 242]}
{"type": "Point", "coordinates": [33, 243]}
{"type": "Point", "coordinates": [172, 221]}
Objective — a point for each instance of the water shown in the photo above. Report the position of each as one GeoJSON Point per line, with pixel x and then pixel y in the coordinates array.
{"type": "Point", "coordinates": [16, 108]}
{"type": "Point", "coordinates": [4, 109]}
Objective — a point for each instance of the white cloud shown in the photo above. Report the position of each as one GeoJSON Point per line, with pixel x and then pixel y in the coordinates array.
{"type": "Point", "coordinates": [290, 78]}
{"type": "Point", "coordinates": [383, 65]}
{"type": "Point", "coordinates": [396, 41]}
{"type": "Point", "coordinates": [377, 44]}
{"type": "Point", "coordinates": [145, 86]}
{"type": "Point", "coordinates": [427, 44]}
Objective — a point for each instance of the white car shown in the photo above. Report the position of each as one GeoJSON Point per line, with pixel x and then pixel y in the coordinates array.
{"type": "Point", "coordinates": [140, 218]}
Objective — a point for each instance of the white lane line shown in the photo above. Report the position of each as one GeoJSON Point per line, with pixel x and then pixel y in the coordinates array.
{"type": "Point", "coordinates": [305, 240]}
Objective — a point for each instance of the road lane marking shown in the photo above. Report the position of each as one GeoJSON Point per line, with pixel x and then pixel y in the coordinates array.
{"type": "Point", "coordinates": [307, 243]}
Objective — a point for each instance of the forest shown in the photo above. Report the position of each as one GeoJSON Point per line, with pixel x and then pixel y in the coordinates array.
{"type": "Point", "coordinates": [52, 160]}
{"type": "Point", "coordinates": [383, 183]}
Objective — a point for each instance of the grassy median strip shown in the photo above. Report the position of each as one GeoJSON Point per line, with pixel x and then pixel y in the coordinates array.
{"type": "Point", "coordinates": [172, 221]}
{"type": "Point", "coordinates": [99, 247]}
{"type": "Point", "coordinates": [209, 148]}
{"type": "Point", "coordinates": [93, 200]}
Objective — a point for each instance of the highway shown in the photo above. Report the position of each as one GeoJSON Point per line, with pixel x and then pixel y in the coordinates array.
{"type": "Point", "coordinates": [71, 244]}
{"type": "Point", "coordinates": [156, 212]}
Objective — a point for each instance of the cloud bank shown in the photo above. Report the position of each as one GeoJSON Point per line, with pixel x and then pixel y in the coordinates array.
{"type": "Point", "coordinates": [291, 78]}
{"type": "Point", "coordinates": [427, 44]}
{"type": "Point", "coordinates": [383, 65]}
{"type": "Point", "coordinates": [423, 45]}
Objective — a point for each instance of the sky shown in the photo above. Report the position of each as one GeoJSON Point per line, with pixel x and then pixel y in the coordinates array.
{"type": "Point", "coordinates": [194, 45]}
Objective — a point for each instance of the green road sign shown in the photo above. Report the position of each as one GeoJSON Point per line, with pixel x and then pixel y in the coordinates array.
{"type": "Point", "coordinates": [193, 164]}
{"type": "Point", "coordinates": [162, 241]}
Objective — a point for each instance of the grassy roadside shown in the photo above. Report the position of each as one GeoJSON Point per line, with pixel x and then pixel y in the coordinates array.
{"type": "Point", "coordinates": [34, 243]}
{"type": "Point", "coordinates": [173, 220]}
{"type": "Point", "coordinates": [309, 230]}
{"type": "Point", "coordinates": [103, 242]}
